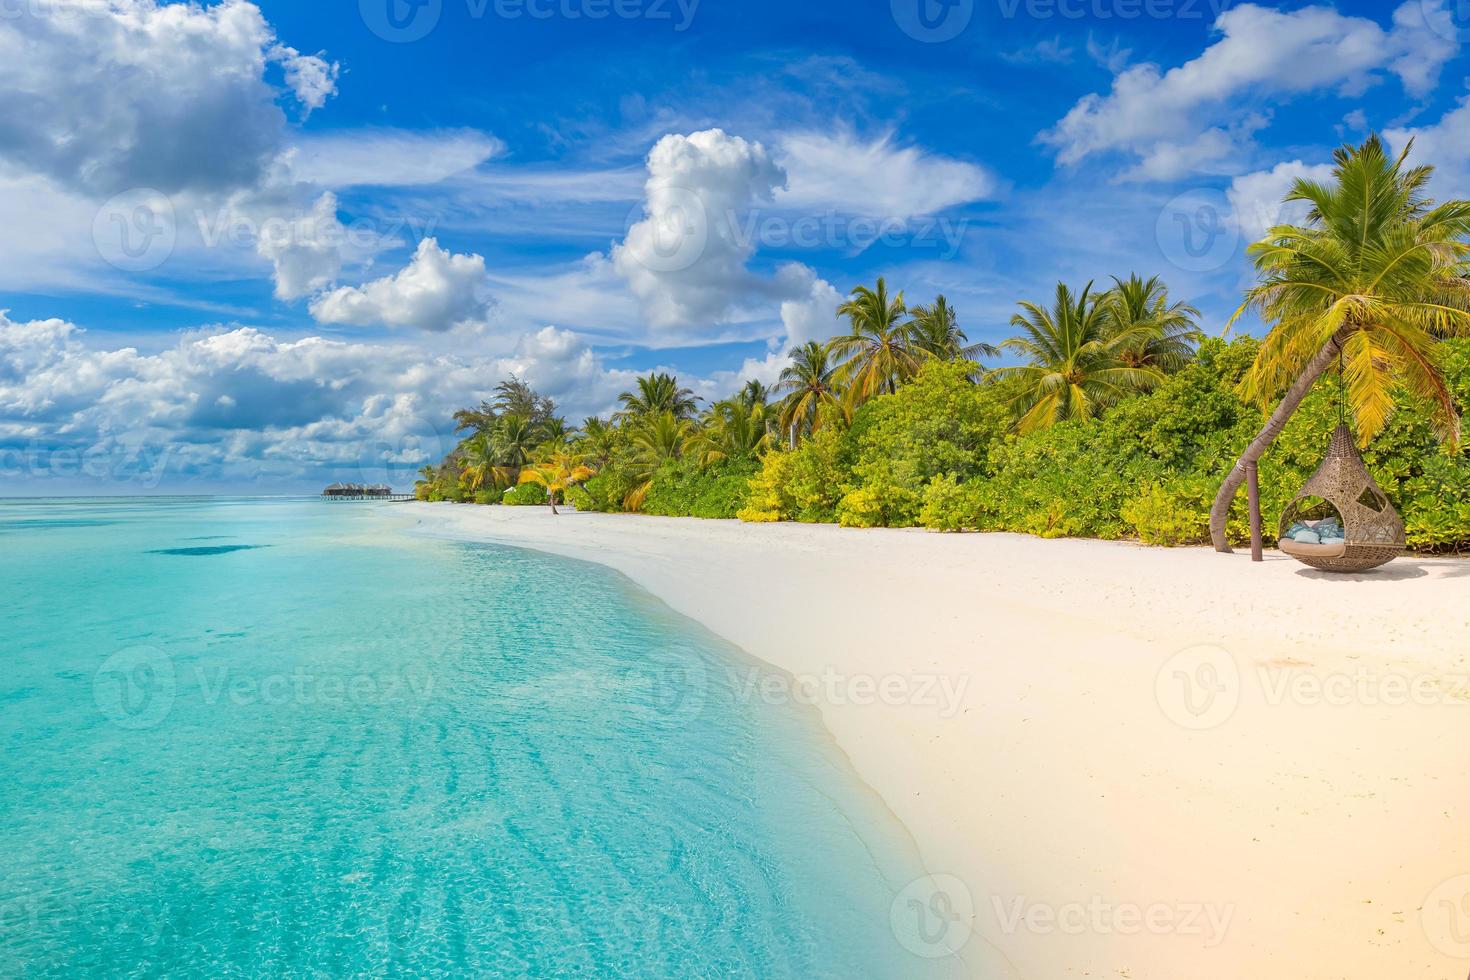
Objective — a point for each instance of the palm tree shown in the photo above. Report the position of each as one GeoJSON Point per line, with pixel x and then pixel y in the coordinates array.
{"type": "Point", "coordinates": [658, 393]}
{"type": "Point", "coordinates": [657, 439]}
{"type": "Point", "coordinates": [732, 430]}
{"type": "Point", "coordinates": [808, 389]}
{"type": "Point", "coordinates": [599, 439]}
{"type": "Point", "coordinates": [1075, 367]}
{"type": "Point", "coordinates": [514, 439]}
{"type": "Point", "coordinates": [479, 461]}
{"type": "Point", "coordinates": [878, 354]}
{"type": "Point", "coordinates": [754, 393]}
{"type": "Point", "coordinates": [1369, 286]}
{"type": "Point", "coordinates": [936, 331]}
{"type": "Point", "coordinates": [1168, 333]}
{"type": "Point", "coordinates": [557, 472]}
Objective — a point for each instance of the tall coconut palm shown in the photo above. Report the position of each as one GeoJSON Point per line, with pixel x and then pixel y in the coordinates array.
{"type": "Point", "coordinates": [935, 330]}
{"type": "Point", "coordinates": [731, 430]}
{"type": "Point", "coordinates": [1371, 283]}
{"type": "Point", "coordinates": [754, 393]}
{"type": "Point", "coordinates": [1167, 333]}
{"type": "Point", "coordinates": [878, 353]}
{"type": "Point", "coordinates": [514, 439]}
{"type": "Point", "coordinates": [557, 472]}
{"type": "Point", "coordinates": [599, 440]}
{"type": "Point", "coordinates": [1075, 367]}
{"type": "Point", "coordinates": [480, 462]}
{"type": "Point", "coordinates": [808, 390]}
{"type": "Point", "coordinates": [658, 393]}
{"type": "Point", "coordinates": [657, 439]}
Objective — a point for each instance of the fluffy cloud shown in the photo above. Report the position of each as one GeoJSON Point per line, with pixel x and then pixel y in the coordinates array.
{"type": "Point", "coordinates": [303, 244]}
{"type": "Point", "coordinates": [243, 408]}
{"type": "Point", "coordinates": [1256, 199]}
{"type": "Point", "coordinates": [811, 311]}
{"type": "Point", "coordinates": [686, 260]}
{"type": "Point", "coordinates": [436, 291]}
{"type": "Point", "coordinates": [877, 178]}
{"type": "Point", "coordinates": [388, 157]}
{"type": "Point", "coordinates": [1187, 118]}
{"type": "Point", "coordinates": [107, 98]}
{"type": "Point", "coordinates": [109, 95]}
{"type": "Point", "coordinates": [1446, 144]}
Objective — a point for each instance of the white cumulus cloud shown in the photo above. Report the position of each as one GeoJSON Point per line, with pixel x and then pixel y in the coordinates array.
{"type": "Point", "coordinates": [1190, 117]}
{"type": "Point", "coordinates": [876, 178]}
{"type": "Point", "coordinates": [436, 291]}
{"type": "Point", "coordinates": [1257, 199]}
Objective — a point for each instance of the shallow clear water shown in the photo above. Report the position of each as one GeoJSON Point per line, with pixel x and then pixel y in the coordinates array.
{"type": "Point", "coordinates": [277, 737]}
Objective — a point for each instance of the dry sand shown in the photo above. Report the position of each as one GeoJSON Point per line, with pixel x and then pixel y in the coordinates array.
{"type": "Point", "coordinates": [1117, 761]}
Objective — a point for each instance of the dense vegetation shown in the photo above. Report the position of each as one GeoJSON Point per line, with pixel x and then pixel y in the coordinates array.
{"type": "Point", "coordinates": [1121, 419]}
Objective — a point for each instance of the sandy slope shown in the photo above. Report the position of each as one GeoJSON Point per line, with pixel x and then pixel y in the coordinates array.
{"type": "Point", "coordinates": [1136, 763]}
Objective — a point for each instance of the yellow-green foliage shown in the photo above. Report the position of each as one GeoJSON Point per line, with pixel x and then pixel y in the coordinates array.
{"type": "Point", "coordinates": [804, 484]}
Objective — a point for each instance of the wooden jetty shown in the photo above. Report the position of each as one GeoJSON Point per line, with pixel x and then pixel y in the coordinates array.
{"type": "Point", "coordinates": [356, 491]}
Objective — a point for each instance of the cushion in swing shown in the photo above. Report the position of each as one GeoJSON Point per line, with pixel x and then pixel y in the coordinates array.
{"type": "Point", "coordinates": [1302, 549]}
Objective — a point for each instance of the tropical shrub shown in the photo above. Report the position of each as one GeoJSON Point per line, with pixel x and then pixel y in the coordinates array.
{"type": "Point", "coordinates": [683, 489]}
{"type": "Point", "coordinates": [525, 495]}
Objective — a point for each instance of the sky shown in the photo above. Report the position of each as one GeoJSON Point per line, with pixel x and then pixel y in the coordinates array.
{"type": "Point", "coordinates": [262, 247]}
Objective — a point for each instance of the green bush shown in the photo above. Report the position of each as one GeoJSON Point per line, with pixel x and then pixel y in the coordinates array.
{"type": "Point", "coordinates": [487, 496]}
{"type": "Point", "coordinates": [804, 484]}
{"type": "Point", "coordinates": [683, 489]}
{"type": "Point", "coordinates": [950, 505]}
{"type": "Point", "coordinates": [525, 495]}
{"type": "Point", "coordinates": [1171, 515]}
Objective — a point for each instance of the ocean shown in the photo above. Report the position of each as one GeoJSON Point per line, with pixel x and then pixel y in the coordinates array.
{"type": "Point", "coordinates": [281, 737]}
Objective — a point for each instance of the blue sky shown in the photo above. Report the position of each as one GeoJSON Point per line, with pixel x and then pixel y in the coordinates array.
{"type": "Point", "coordinates": [260, 247]}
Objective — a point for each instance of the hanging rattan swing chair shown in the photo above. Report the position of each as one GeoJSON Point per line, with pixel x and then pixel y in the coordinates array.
{"type": "Point", "coordinates": [1368, 532]}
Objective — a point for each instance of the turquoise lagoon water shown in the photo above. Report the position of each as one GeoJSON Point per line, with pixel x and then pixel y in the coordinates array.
{"type": "Point", "coordinates": [252, 737]}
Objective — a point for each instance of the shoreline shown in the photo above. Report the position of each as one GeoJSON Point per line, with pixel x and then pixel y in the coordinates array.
{"type": "Point", "coordinates": [1133, 761]}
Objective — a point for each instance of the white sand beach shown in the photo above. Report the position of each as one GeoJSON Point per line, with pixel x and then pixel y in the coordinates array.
{"type": "Point", "coordinates": [1136, 762]}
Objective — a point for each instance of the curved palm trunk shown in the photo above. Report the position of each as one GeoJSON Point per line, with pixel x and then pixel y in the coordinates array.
{"type": "Point", "coordinates": [1220, 512]}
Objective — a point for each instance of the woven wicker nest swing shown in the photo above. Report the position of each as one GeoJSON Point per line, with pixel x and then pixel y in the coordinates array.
{"type": "Point", "coordinates": [1371, 531]}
